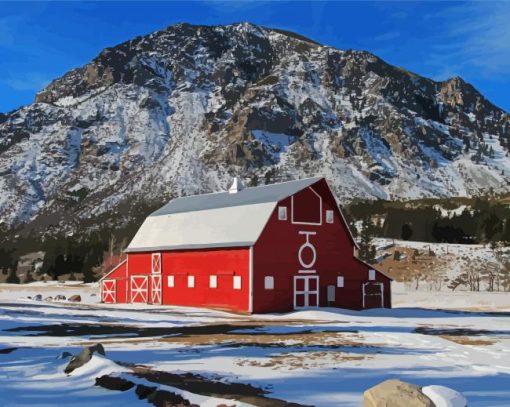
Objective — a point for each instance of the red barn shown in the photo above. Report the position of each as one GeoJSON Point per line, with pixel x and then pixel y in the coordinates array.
{"type": "Point", "coordinates": [272, 248]}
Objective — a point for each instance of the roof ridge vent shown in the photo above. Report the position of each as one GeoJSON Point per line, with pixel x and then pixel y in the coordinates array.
{"type": "Point", "coordinates": [236, 186]}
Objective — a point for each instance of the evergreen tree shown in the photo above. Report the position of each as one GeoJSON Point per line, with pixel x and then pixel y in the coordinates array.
{"type": "Point", "coordinates": [12, 278]}
{"type": "Point", "coordinates": [367, 250]}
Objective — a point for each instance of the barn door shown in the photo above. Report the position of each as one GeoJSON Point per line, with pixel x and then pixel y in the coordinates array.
{"type": "Point", "coordinates": [373, 295]}
{"type": "Point", "coordinates": [306, 291]}
{"type": "Point", "coordinates": [108, 291]}
{"type": "Point", "coordinates": [139, 289]}
{"type": "Point", "coordinates": [156, 289]}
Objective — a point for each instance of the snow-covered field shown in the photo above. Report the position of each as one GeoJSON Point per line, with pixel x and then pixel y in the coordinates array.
{"type": "Point", "coordinates": [325, 357]}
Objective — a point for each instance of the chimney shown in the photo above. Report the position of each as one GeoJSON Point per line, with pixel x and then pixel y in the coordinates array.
{"type": "Point", "coordinates": [236, 186]}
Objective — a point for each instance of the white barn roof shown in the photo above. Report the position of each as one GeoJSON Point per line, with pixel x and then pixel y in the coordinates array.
{"type": "Point", "coordinates": [214, 220]}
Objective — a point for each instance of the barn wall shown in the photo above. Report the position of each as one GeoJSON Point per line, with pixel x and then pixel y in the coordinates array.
{"type": "Point", "coordinates": [224, 263]}
{"type": "Point", "coordinates": [276, 254]}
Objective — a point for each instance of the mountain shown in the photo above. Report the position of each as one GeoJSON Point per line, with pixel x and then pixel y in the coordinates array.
{"type": "Point", "coordinates": [183, 109]}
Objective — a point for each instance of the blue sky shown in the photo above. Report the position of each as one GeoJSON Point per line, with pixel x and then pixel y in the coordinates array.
{"type": "Point", "coordinates": [41, 41]}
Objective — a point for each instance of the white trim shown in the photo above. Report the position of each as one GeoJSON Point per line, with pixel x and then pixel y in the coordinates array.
{"type": "Point", "coordinates": [139, 289]}
{"type": "Point", "coordinates": [128, 291]}
{"type": "Point", "coordinates": [307, 234]}
{"type": "Point", "coordinates": [250, 282]}
{"type": "Point", "coordinates": [115, 268]}
{"type": "Point", "coordinates": [158, 286]}
{"type": "Point", "coordinates": [307, 271]}
{"type": "Point", "coordinates": [158, 262]}
{"type": "Point", "coordinates": [292, 209]}
{"type": "Point", "coordinates": [306, 291]}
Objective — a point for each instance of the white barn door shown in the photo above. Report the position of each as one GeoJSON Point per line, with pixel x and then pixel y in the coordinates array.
{"type": "Point", "coordinates": [139, 289]}
{"type": "Point", "coordinates": [108, 291]}
{"type": "Point", "coordinates": [156, 289]}
{"type": "Point", "coordinates": [306, 291]}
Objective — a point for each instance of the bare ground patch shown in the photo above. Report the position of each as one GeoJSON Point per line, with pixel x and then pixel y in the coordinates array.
{"type": "Point", "coordinates": [303, 360]}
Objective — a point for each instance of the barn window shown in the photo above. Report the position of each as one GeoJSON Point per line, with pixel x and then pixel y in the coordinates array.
{"type": "Point", "coordinates": [269, 282]}
{"type": "Point", "coordinates": [340, 281]}
{"type": "Point", "coordinates": [156, 262]}
{"type": "Point", "coordinates": [237, 282]}
{"type": "Point", "coordinates": [191, 281]}
{"type": "Point", "coordinates": [213, 281]}
{"type": "Point", "coordinates": [171, 281]}
{"type": "Point", "coordinates": [282, 213]}
{"type": "Point", "coordinates": [371, 274]}
{"type": "Point", "coordinates": [329, 216]}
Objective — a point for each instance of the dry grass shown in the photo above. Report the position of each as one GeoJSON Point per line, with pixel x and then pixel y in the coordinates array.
{"type": "Point", "coordinates": [408, 268]}
{"type": "Point", "coordinates": [466, 340]}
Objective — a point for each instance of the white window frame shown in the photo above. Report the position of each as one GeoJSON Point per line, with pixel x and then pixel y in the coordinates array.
{"type": "Point", "coordinates": [237, 282]}
{"type": "Point", "coordinates": [330, 216]}
{"type": "Point", "coordinates": [213, 281]}
{"type": "Point", "coordinates": [282, 213]}
{"type": "Point", "coordinates": [170, 281]}
{"type": "Point", "coordinates": [269, 283]}
{"type": "Point", "coordinates": [306, 223]}
{"type": "Point", "coordinates": [191, 281]}
{"type": "Point", "coordinates": [371, 274]}
{"type": "Point", "coordinates": [340, 282]}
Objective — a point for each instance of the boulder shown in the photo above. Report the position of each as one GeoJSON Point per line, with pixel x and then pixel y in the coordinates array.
{"type": "Point", "coordinates": [60, 297]}
{"type": "Point", "coordinates": [114, 383]}
{"type": "Point", "coordinates": [37, 297]}
{"type": "Point", "coordinates": [395, 393]}
{"type": "Point", "coordinates": [49, 298]}
{"type": "Point", "coordinates": [443, 396]}
{"type": "Point", "coordinates": [74, 298]}
{"type": "Point", "coordinates": [83, 357]}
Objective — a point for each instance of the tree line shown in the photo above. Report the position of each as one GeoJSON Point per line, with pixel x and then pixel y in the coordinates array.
{"type": "Point", "coordinates": [480, 222]}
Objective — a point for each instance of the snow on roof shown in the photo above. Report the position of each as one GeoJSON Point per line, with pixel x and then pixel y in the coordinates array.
{"type": "Point", "coordinates": [213, 220]}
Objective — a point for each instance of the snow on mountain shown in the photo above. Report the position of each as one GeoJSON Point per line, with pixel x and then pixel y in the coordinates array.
{"type": "Point", "coordinates": [181, 110]}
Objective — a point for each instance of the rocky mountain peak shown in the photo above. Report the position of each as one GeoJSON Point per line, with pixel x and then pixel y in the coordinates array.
{"type": "Point", "coordinates": [180, 110]}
